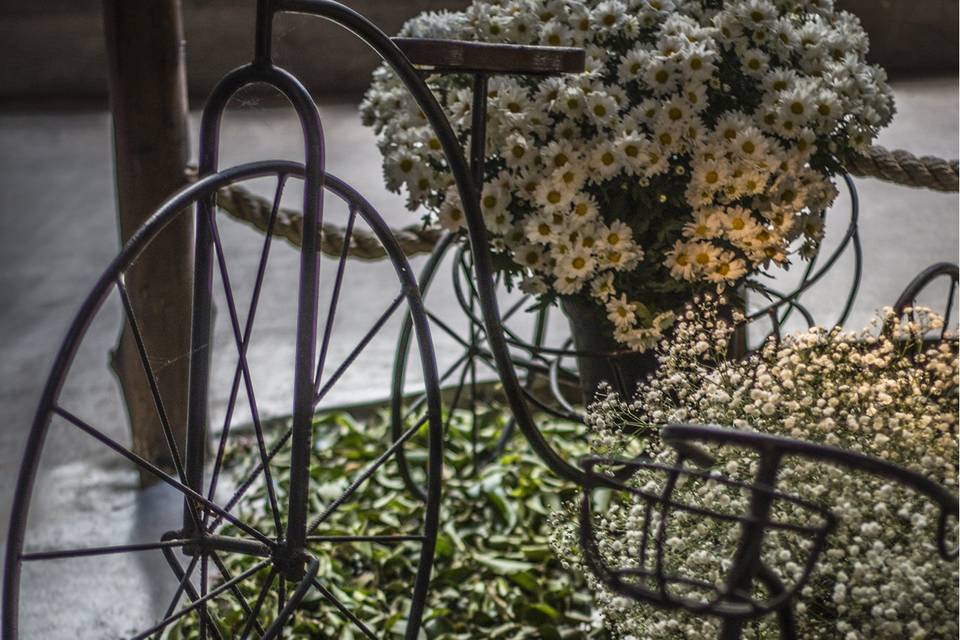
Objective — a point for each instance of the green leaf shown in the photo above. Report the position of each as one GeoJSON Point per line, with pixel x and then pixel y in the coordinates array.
{"type": "Point", "coordinates": [502, 566]}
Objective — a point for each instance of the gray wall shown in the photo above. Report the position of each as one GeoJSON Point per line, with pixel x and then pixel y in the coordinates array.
{"type": "Point", "coordinates": [54, 48]}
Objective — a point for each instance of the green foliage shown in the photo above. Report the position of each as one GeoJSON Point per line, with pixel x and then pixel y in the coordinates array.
{"type": "Point", "coordinates": [494, 575]}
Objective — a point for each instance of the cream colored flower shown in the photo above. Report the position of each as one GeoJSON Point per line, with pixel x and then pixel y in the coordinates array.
{"type": "Point", "coordinates": [621, 312]}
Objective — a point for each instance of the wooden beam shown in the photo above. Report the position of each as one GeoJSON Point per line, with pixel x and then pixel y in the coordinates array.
{"type": "Point", "coordinates": [148, 100]}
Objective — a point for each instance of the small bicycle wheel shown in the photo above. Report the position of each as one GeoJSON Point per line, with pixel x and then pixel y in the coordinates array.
{"type": "Point", "coordinates": [208, 559]}
{"type": "Point", "coordinates": [467, 377]}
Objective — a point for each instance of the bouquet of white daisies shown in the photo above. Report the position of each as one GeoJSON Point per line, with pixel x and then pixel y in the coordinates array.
{"type": "Point", "coordinates": [697, 148]}
{"type": "Point", "coordinates": [882, 391]}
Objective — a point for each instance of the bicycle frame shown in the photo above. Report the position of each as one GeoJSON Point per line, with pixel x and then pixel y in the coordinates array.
{"type": "Point", "coordinates": [262, 70]}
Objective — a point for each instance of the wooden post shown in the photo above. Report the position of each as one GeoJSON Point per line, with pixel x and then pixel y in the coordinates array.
{"type": "Point", "coordinates": [148, 99]}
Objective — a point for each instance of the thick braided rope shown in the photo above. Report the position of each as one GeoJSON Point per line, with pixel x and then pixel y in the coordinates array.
{"type": "Point", "coordinates": [364, 245]}
{"type": "Point", "coordinates": [904, 168]}
{"type": "Point", "coordinates": [898, 167]}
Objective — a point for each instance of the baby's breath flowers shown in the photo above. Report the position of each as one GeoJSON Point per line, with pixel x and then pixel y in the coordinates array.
{"type": "Point", "coordinates": [697, 148]}
{"type": "Point", "coordinates": [881, 391]}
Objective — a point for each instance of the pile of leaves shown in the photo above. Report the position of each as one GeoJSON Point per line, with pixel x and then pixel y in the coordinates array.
{"type": "Point", "coordinates": [494, 575]}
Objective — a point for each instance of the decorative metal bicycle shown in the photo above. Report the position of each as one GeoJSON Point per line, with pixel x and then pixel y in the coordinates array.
{"type": "Point", "coordinates": [289, 553]}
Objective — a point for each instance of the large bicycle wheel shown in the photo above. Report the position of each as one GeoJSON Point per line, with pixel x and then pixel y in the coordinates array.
{"type": "Point", "coordinates": [210, 560]}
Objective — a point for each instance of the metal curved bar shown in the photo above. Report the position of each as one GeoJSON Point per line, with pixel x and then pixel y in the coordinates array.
{"type": "Point", "coordinates": [765, 443]}
{"type": "Point", "coordinates": [852, 235]}
{"type": "Point", "coordinates": [38, 431]}
{"type": "Point", "coordinates": [309, 285]}
{"type": "Point", "coordinates": [555, 386]}
{"type": "Point", "coordinates": [483, 262]}
{"type": "Point", "coordinates": [731, 601]}
{"type": "Point", "coordinates": [168, 211]}
{"type": "Point", "coordinates": [401, 354]}
{"type": "Point", "coordinates": [793, 304]}
{"type": "Point", "coordinates": [909, 296]}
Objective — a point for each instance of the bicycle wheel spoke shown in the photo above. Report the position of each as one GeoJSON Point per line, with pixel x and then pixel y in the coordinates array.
{"type": "Point", "coordinates": [247, 379]}
{"type": "Point", "coordinates": [62, 554]}
{"type": "Point", "coordinates": [342, 608]}
{"type": "Point", "coordinates": [514, 308]}
{"type": "Point", "coordinates": [184, 577]}
{"type": "Point", "coordinates": [456, 395]}
{"type": "Point", "coordinates": [423, 397]}
{"type": "Point", "coordinates": [247, 332]}
{"type": "Point", "coordinates": [334, 298]}
{"type": "Point", "coordinates": [151, 380]}
{"type": "Point", "coordinates": [365, 474]}
{"type": "Point", "coordinates": [184, 582]}
{"type": "Point", "coordinates": [446, 329]}
{"type": "Point", "coordinates": [213, 593]}
{"type": "Point", "coordinates": [250, 478]}
{"type": "Point", "coordinates": [359, 348]}
{"type": "Point", "coordinates": [204, 612]}
{"type": "Point", "coordinates": [255, 612]}
{"type": "Point", "coordinates": [159, 474]}
{"type": "Point", "coordinates": [235, 590]}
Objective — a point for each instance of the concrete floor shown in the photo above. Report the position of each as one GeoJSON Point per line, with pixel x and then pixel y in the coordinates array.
{"type": "Point", "coordinates": [57, 232]}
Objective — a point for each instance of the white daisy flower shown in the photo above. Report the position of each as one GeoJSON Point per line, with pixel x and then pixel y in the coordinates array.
{"type": "Point", "coordinates": [621, 312]}
{"type": "Point", "coordinates": [754, 62]}
{"type": "Point", "coordinates": [541, 229]}
{"type": "Point", "coordinates": [553, 195]}
{"type": "Point", "coordinates": [661, 76]}
{"type": "Point", "coordinates": [451, 215]}
{"type": "Point", "coordinates": [680, 261]}
{"type": "Point", "coordinates": [609, 15]}
{"type": "Point", "coordinates": [534, 285]}
{"type": "Point", "coordinates": [705, 225]}
{"type": "Point", "coordinates": [601, 108]}
{"type": "Point", "coordinates": [603, 161]}
{"type": "Point", "coordinates": [633, 64]}
{"type": "Point", "coordinates": [517, 151]}
{"type": "Point", "coordinates": [555, 34]}
{"type": "Point", "coordinates": [602, 287]}
{"type": "Point", "coordinates": [577, 263]}
{"type": "Point", "coordinates": [530, 256]}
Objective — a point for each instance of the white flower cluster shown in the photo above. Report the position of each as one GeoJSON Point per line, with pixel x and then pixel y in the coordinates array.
{"type": "Point", "coordinates": [885, 393]}
{"type": "Point", "coordinates": [696, 148]}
